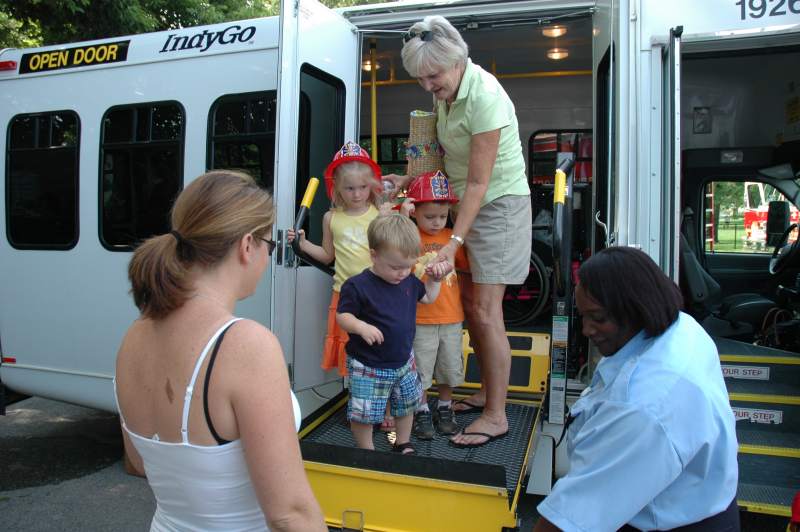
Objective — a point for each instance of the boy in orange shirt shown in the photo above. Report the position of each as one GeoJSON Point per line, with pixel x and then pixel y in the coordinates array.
{"type": "Point", "coordinates": [437, 343]}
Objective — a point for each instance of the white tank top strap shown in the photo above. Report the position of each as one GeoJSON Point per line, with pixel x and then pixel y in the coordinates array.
{"type": "Point", "coordinates": [187, 399]}
{"type": "Point", "coordinates": [116, 400]}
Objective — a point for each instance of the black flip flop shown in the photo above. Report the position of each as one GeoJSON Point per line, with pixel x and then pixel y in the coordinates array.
{"type": "Point", "coordinates": [472, 407]}
{"type": "Point", "coordinates": [404, 448]}
{"type": "Point", "coordinates": [489, 438]}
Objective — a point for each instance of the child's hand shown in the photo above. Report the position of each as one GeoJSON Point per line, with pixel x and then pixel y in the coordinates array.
{"type": "Point", "coordinates": [438, 270]}
{"type": "Point", "coordinates": [407, 208]}
{"type": "Point", "coordinates": [385, 208]}
{"type": "Point", "coordinates": [290, 236]}
{"type": "Point", "coordinates": [370, 334]}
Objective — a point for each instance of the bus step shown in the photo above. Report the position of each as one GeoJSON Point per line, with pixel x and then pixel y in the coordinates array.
{"type": "Point", "coordinates": [746, 362]}
{"type": "Point", "coordinates": [767, 483]}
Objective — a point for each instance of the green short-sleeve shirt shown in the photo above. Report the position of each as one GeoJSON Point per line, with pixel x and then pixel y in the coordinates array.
{"type": "Point", "coordinates": [481, 105]}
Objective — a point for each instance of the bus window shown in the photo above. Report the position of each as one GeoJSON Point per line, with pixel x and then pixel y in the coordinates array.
{"type": "Point", "coordinates": [391, 152]}
{"type": "Point", "coordinates": [141, 169]}
{"type": "Point", "coordinates": [42, 180]}
{"type": "Point", "coordinates": [321, 134]}
{"type": "Point", "coordinates": [242, 135]}
{"type": "Point", "coordinates": [735, 216]}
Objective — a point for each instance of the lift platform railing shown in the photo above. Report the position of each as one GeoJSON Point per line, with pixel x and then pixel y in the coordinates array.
{"type": "Point", "coordinates": [562, 297]}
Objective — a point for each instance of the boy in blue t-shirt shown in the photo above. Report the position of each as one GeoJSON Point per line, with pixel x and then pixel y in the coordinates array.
{"type": "Point", "coordinates": [378, 308]}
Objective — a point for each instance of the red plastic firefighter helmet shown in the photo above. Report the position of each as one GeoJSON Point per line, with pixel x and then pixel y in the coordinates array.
{"type": "Point", "coordinates": [350, 152]}
{"type": "Point", "coordinates": [431, 186]}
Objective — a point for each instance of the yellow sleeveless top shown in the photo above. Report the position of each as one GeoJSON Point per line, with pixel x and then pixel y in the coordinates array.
{"type": "Point", "coordinates": [350, 244]}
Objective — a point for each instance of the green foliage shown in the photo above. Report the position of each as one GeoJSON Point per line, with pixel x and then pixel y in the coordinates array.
{"type": "Point", "coordinates": [17, 34]}
{"type": "Point", "coordinates": [64, 21]}
{"type": "Point", "coordinates": [26, 23]}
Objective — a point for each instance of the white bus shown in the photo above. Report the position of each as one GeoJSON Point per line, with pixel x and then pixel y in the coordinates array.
{"type": "Point", "coordinates": [655, 102]}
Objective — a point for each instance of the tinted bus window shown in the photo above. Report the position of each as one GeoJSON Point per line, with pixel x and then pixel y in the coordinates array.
{"type": "Point", "coordinates": [242, 135]}
{"type": "Point", "coordinates": [141, 164]}
{"type": "Point", "coordinates": [321, 134]}
{"type": "Point", "coordinates": [42, 180]}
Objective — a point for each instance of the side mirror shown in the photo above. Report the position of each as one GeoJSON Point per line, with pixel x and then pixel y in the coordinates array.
{"type": "Point", "coordinates": [777, 221]}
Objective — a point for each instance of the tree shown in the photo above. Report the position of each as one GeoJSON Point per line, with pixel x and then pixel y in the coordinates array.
{"type": "Point", "coordinates": [17, 34]}
{"type": "Point", "coordinates": [64, 21]}
{"type": "Point", "coordinates": [26, 23]}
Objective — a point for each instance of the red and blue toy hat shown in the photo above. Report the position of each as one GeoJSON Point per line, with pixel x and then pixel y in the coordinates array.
{"type": "Point", "coordinates": [431, 186]}
{"type": "Point", "coordinates": [349, 153]}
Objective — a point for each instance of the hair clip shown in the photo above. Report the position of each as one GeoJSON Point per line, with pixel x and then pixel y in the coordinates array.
{"type": "Point", "coordinates": [424, 36]}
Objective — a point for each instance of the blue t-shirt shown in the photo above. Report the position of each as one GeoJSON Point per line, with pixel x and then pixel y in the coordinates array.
{"type": "Point", "coordinates": [392, 308]}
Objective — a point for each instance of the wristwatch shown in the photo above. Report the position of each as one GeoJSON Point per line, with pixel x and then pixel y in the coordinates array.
{"type": "Point", "coordinates": [458, 239]}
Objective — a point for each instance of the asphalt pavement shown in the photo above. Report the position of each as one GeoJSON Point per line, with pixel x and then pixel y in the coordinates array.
{"type": "Point", "coordinates": [61, 469]}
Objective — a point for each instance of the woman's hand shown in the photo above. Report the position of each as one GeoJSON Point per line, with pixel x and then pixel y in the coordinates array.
{"type": "Point", "coordinates": [407, 208]}
{"type": "Point", "coordinates": [447, 253]}
{"type": "Point", "coordinates": [438, 270]}
{"type": "Point", "coordinates": [400, 181]}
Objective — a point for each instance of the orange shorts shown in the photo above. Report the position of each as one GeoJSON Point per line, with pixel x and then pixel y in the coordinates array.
{"type": "Point", "coordinates": [333, 354]}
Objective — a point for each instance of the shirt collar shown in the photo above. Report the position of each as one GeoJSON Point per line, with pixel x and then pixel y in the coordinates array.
{"type": "Point", "coordinates": [609, 366]}
{"type": "Point", "coordinates": [466, 80]}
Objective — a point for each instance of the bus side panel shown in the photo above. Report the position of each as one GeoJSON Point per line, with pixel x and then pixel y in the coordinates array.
{"type": "Point", "coordinates": [64, 312]}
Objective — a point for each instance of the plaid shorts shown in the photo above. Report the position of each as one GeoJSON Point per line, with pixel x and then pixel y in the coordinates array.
{"type": "Point", "coordinates": [371, 388]}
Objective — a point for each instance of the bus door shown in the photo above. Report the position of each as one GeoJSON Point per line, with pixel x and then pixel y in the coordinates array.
{"type": "Point", "coordinates": [605, 94]}
{"type": "Point", "coordinates": [671, 153]}
{"type": "Point", "coordinates": [317, 112]}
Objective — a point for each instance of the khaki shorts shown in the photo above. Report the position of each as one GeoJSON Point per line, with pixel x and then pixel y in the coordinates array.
{"type": "Point", "coordinates": [437, 350]}
{"type": "Point", "coordinates": [499, 241]}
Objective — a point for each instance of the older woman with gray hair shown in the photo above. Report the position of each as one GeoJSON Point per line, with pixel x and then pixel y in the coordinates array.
{"type": "Point", "coordinates": [477, 128]}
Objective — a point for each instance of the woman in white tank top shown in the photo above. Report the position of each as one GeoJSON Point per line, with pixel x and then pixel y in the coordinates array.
{"type": "Point", "coordinates": [204, 397]}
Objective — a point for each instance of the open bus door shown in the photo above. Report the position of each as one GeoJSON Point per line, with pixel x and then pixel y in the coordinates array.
{"type": "Point", "coordinates": [317, 112]}
{"type": "Point", "coordinates": [671, 149]}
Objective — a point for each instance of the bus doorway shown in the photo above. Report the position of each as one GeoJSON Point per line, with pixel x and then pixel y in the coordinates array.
{"type": "Point", "coordinates": [739, 132]}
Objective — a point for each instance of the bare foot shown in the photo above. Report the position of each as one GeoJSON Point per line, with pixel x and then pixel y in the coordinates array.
{"type": "Point", "coordinates": [485, 425]}
{"type": "Point", "coordinates": [472, 403]}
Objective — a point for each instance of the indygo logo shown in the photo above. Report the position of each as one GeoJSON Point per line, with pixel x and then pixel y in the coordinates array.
{"type": "Point", "coordinates": [207, 39]}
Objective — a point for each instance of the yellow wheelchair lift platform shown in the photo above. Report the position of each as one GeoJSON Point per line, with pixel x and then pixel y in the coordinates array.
{"type": "Point", "coordinates": [439, 488]}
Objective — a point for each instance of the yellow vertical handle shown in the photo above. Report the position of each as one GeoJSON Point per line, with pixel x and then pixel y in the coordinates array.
{"type": "Point", "coordinates": [311, 191]}
{"type": "Point", "coordinates": [560, 191]}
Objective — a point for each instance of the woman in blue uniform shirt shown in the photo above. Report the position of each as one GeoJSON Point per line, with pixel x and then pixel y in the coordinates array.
{"type": "Point", "coordinates": [652, 442]}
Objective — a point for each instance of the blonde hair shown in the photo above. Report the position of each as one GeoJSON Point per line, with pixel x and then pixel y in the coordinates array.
{"type": "Point", "coordinates": [208, 218]}
{"type": "Point", "coordinates": [446, 47]}
{"type": "Point", "coordinates": [354, 169]}
{"type": "Point", "coordinates": [394, 231]}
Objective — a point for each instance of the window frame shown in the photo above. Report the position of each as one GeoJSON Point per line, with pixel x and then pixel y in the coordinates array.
{"type": "Point", "coordinates": [181, 151]}
{"type": "Point", "coordinates": [211, 138]}
{"type": "Point", "coordinates": [75, 180]}
{"type": "Point", "coordinates": [743, 178]}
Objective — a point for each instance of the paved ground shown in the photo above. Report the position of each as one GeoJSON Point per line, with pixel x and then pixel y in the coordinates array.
{"type": "Point", "coordinates": [61, 469]}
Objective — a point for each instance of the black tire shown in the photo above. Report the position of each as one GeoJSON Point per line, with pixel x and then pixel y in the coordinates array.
{"type": "Point", "coordinates": [524, 303]}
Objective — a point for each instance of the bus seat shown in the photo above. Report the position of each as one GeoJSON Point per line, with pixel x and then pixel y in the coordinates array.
{"type": "Point", "coordinates": [734, 316]}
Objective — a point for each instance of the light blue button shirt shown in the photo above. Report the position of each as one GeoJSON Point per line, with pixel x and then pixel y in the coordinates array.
{"type": "Point", "coordinates": [653, 443]}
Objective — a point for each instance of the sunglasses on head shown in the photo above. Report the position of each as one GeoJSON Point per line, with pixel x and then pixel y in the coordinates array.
{"type": "Point", "coordinates": [423, 36]}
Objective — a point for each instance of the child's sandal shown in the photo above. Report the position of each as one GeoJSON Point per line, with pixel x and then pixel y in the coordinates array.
{"type": "Point", "coordinates": [403, 448]}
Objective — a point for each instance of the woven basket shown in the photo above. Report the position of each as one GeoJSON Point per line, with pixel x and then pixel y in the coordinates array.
{"type": "Point", "coordinates": [423, 152]}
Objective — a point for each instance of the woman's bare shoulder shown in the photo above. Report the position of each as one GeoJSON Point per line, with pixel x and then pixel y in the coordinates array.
{"type": "Point", "coordinates": [251, 343]}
